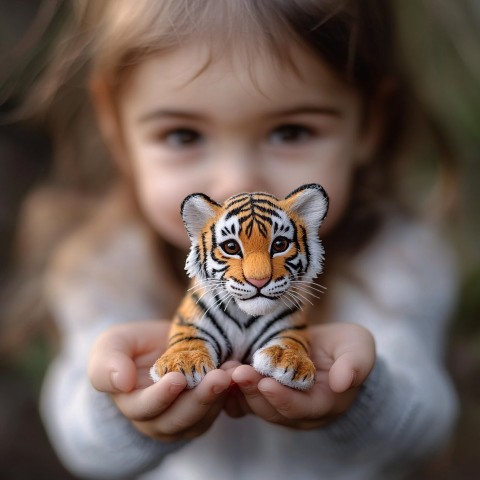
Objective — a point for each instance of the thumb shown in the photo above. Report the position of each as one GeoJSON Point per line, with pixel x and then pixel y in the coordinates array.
{"type": "Point", "coordinates": [111, 368]}
{"type": "Point", "coordinates": [353, 363]}
{"type": "Point", "coordinates": [348, 371]}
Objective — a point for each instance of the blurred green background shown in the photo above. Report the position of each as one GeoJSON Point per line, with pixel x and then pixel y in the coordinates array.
{"type": "Point", "coordinates": [441, 48]}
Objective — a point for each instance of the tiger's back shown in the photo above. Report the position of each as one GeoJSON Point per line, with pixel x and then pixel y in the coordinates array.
{"type": "Point", "coordinates": [252, 261]}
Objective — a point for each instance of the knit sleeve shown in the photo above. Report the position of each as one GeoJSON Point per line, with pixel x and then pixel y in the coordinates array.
{"type": "Point", "coordinates": [88, 432]}
{"type": "Point", "coordinates": [402, 289]}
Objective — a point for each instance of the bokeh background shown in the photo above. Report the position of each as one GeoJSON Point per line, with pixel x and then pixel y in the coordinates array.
{"type": "Point", "coordinates": [441, 47]}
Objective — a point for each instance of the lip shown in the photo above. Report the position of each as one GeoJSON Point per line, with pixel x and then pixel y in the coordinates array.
{"type": "Point", "coordinates": [259, 295]}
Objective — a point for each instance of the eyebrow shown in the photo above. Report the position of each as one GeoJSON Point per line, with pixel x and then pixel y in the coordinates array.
{"type": "Point", "coordinates": [167, 113]}
{"type": "Point", "coordinates": [186, 115]}
{"type": "Point", "coordinates": [308, 109]}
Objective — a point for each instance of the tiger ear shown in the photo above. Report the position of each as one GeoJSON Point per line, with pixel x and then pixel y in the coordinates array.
{"type": "Point", "coordinates": [310, 202]}
{"type": "Point", "coordinates": [197, 209]}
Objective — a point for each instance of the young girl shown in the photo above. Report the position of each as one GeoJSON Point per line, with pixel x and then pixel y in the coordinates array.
{"type": "Point", "coordinates": [223, 97]}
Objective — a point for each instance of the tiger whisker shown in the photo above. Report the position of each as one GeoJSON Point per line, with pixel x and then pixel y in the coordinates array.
{"type": "Point", "coordinates": [206, 280]}
{"type": "Point", "coordinates": [294, 300]}
{"type": "Point", "coordinates": [294, 292]}
{"type": "Point", "coordinates": [284, 300]}
{"type": "Point", "coordinates": [206, 287]}
{"type": "Point", "coordinates": [206, 290]}
{"type": "Point", "coordinates": [205, 283]}
{"type": "Point", "coordinates": [304, 290]}
{"type": "Point", "coordinates": [298, 299]}
{"type": "Point", "coordinates": [309, 285]}
{"type": "Point", "coordinates": [214, 304]}
{"type": "Point", "coordinates": [229, 300]}
{"type": "Point", "coordinates": [205, 293]}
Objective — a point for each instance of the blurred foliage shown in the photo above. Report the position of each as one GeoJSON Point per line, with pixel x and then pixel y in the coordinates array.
{"type": "Point", "coordinates": [441, 49]}
{"type": "Point", "coordinates": [24, 51]}
{"type": "Point", "coordinates": [441, 45]}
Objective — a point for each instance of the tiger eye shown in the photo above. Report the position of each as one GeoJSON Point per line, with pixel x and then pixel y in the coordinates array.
{"type": "Point", "coordinates": [231, 247]}
{"type": "Point", "coordinates": [280, 244]}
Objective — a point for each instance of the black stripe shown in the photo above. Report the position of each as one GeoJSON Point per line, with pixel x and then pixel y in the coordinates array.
{"type": "Point", "coordinates": [236, 211]}
{"type": "Point", "coordinates": [273, 335]}
{"type": "Point", "coordinates": [286, 337]}
{"type": "Point", "coordinates": [305, 244]}
{"type": "Point", "coordinates": [236, 199]}
{"type": "Point", "coordinates": [212, 319]}
{"type": "Point", "coordinates": [227, 313]}
{"type": "Point", "coordinates": [188, 339]}
{"type": "Point", "coordinates": [204, 259]}
{"type": "Point", "coordinates": [252, 320]}
{"type": "Point", "coordinates": [182, 322]}
{"type": "Point", "coordinates": [272, 322]}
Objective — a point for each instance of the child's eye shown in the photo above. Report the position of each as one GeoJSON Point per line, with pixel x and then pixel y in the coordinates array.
{"type": "Point", "coordinates": [288, 134]}
{"type": "Point", "coordinates": [183, 137]}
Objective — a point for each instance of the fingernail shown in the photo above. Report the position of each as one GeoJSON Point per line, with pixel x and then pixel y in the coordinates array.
{"type": "Point", "coordinates": [353, 383]}
{"type": "Point", "coordinates": [115, 380]}
{"type": "Point", "coordinates": [176, 387]}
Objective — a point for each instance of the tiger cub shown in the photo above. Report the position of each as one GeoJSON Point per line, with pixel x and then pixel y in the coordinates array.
{"type": "Point", "coordinates": [252, 260]}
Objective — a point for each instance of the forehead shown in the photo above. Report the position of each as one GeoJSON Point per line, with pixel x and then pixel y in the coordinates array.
{"type": "Point", "coordinates": [253, 215]}
{"type": "Point", "coordinates": [183, 77]}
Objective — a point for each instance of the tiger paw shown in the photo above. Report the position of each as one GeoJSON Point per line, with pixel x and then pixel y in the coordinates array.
{"type": "Point", "coordinates": [288, 366]}
{"type": "Point", "coordinates": [193, 365]}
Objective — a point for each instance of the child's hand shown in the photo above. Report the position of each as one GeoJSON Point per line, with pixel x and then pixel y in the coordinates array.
{"type": "Point", "coordinates": [119, 365]}
{"type": "Point", "coordinates": [344, 355]}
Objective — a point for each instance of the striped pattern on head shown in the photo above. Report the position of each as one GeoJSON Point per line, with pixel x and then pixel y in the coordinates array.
{"type": "Point", "coordinates": [255, 245]}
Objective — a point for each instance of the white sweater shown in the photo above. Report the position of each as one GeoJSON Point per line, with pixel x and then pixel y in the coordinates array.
{"type": "Point", "coordinates": [404, 412]}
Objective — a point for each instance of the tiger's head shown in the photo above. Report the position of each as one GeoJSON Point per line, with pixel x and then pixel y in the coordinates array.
{"type": "Point", "coordinates": [256, 249]}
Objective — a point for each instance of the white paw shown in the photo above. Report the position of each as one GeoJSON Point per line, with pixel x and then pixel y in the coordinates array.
{"type": "Point", "coordinates": [286, 366]}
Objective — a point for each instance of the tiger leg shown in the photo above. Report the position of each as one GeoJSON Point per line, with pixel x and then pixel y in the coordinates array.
{"type": "Point", "coordinates": [188, 353]}
{"type": "Point", "coordinates": [286, 359]}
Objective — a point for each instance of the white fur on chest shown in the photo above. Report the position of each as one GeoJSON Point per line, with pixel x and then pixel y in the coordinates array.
{"type": "Point", "coordinates": [245, 333]}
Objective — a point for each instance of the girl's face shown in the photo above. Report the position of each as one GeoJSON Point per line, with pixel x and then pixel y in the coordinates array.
{"type": "Point", "coordinates": [237, 125]}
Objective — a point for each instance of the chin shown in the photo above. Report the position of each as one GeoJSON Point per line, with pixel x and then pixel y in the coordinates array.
{"type": "Point", "coordinates": [258, 306]}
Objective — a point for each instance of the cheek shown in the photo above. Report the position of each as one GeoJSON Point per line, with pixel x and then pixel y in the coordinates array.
{"type": "Point", "coordinates": [338, 188]}
{"type": "Point", "coordinates": [338, 201]}
{"type": "Point", "coordinates": [235, 269]}
{"type": "Point", "coordinates": [278, 267]}
{"type": "Point", "coordinates": [160, 201]}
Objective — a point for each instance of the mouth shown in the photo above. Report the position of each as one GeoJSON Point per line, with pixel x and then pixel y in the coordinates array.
{"type": "Point", "coordinates": [258, 304]}
{"type": "Point", "coordinates": [260, 295]}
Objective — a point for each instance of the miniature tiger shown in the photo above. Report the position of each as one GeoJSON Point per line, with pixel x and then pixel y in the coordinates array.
{"type": "Point", "coordinates": [253, 260]}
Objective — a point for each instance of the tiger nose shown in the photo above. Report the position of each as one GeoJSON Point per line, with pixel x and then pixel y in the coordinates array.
{"type": "Point", "coordinates": [258, 282]}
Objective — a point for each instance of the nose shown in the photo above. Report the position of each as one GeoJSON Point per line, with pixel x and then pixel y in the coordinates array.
{"type": "Point", "coordinates": [237, 171]}
{"type": "Point", "coordinates": [258, 282]}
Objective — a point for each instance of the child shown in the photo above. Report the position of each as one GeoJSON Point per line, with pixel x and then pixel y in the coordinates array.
{"type": "Point", "coordinates": [222, 97]}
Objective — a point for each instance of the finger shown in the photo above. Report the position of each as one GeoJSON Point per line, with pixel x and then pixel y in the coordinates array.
{"type": "Point", "coordinates": [353, 363]}
{"type": "Point", "coordinates": [346, 350]}
{"type": "Point", "coordinates": [235, 405]}
{"type": "Point", "coordinates": [111, 368]}
{"type": "Point", "coordinates": [230, 365]}
{"type": "Point", "coordinates": [145, 404]}
{"type": "Point", "coordinates": [348, 371]}
{"type": "Point", "coordinates": [195, 407]}
{"type": "Point", "coordinates": [192, 413]}
{"type": "Point", "coordinates": [247, 380]}
{"type": "Point", "coordinates": [296, 404]}
{"type": "Point", "coordinates": [306, 409]}
{"type": "Point", "coordinates": [114, 356]}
